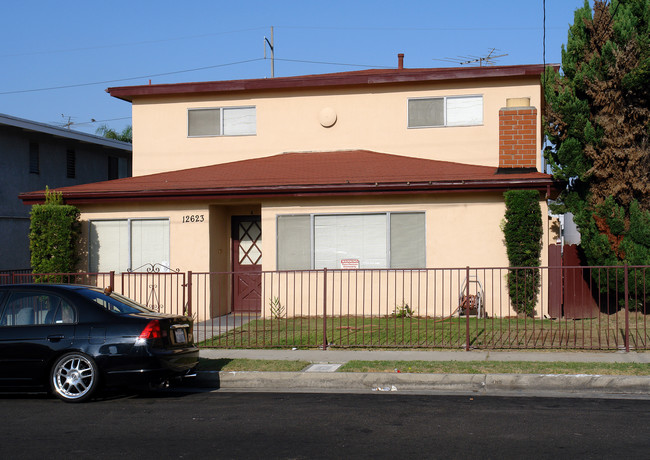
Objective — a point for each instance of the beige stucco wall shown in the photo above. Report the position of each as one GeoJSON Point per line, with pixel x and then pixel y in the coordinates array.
{"type": "Point", "coordinates": [461, 230]}
{"type": "Point", "coordinates": [373, 119]}
{"type": "Point", "coordinates": [189, 242]}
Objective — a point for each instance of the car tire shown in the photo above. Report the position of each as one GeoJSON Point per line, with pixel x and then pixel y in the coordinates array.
{"type": "Point", "coordinates": [74, 377]}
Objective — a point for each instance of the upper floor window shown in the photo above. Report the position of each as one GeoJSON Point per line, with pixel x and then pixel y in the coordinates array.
{"type": "Point", "coordinates": [34, 160]}
{"type": "Point", "coordinates": [221, 121]}
{"type": "Point", "coordinates": [445, 111]}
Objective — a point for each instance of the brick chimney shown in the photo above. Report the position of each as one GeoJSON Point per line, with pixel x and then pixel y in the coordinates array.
{"type": "Point", "coordinates": [517, 136]}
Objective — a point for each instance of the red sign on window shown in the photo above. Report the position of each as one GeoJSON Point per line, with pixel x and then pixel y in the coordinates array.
{"type": "Point", "coordinates": [349, 264]}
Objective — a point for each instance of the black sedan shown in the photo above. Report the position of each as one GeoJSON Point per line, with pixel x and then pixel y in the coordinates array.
{"type": "Point", "coordinates": [72, 339]}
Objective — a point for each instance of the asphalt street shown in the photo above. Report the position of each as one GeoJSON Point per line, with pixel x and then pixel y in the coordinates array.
{"type": "Point", "coordinates": [278, 425]}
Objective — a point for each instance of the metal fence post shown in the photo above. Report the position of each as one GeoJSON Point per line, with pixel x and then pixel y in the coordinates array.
{"type": "Point", "coordinates": [189, 293]}
{"type": "Point", "coordinates": [467, 304]}
{"type": "Point", "coordinates": [111, 279]}
{"type": "Point", "coordinates": [627, 311]}
{"type": "Point", "coordinates": [325, 309]}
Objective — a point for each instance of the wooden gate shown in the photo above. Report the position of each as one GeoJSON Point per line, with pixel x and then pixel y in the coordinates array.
{"type": "Point", "coordinates": [555, 288]}
{"type": "Point", "coordinates": [572, 293]}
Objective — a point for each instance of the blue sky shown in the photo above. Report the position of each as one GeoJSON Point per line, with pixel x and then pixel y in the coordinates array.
{"type": "Point", "coordinates": [88, 46]}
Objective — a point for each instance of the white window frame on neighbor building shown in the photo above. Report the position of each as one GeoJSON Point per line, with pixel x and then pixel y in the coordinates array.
{"type": "Point", "coordinates": [364, 240]}
{"type": "Point", "coordinates": [222, 121]}
{"type": "Point", "coordinates": [456, 111]}
{"type": "Point", "coordinates": [121, 245]}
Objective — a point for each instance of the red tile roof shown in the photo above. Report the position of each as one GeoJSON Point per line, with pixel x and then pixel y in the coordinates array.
{"type": "Point", "coordinates": [356, 78]}
{"type": "Point", "coordinates": [304, 173]}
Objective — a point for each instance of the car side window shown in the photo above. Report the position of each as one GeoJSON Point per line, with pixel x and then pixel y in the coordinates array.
{"type": "Point", "coordinates": [65, 314]}
{"type": "Point", "coordinates": [29, 308]}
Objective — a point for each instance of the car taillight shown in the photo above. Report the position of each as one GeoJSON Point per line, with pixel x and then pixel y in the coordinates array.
{"type": "Point", "coordinates": [151, 331]}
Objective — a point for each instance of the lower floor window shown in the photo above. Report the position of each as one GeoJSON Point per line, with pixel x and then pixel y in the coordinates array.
{"type": "Point", "coordinates": [128, 244]}
{"type": "Point", "coordinates": [373, 240]}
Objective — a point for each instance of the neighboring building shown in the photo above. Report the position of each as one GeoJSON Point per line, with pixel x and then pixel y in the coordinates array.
{"type": "Point", "coordinates": [401, 168]}
{"type": "Point", "coordinates": [34, 155]}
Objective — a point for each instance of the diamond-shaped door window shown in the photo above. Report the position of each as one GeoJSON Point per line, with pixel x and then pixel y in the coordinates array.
{"type": "Point", "coordinates": [250, 240]}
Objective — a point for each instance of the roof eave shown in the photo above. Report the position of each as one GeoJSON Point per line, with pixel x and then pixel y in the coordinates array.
{"type": "Point", "coordinates": [461, 186]}
{"type": "Point", "coordinates": [398, 76]}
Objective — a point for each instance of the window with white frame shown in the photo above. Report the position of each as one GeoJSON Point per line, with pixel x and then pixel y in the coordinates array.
{"type": "Point", "coordinates": [127, 244]}
{"type": "Point", "coordinates": [445, 111]}
{"type": "Point", "coordinates": [221, 121]}
{"type": "Point", "coordinates": [371, 240]}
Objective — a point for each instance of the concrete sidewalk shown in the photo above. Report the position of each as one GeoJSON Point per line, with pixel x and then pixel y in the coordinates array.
{"type": "Point", "coordinates": [343, 356]}
{"type": "Point", "coordinates": [321, 376]}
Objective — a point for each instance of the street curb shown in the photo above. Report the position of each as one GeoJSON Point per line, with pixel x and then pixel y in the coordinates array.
{"type": "Point", "coordinates": [465, 383]}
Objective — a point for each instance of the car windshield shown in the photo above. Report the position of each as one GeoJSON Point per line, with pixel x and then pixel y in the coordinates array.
{"type": "Point", "coordinates": [113, 302]}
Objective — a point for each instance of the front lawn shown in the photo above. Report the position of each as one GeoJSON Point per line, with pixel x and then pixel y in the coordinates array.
{"type": "Point", "coordinates": [604, 332]}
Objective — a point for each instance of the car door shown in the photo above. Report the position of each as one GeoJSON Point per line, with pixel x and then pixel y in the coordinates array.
{"type": "Point", "coordinates": [34, 327]}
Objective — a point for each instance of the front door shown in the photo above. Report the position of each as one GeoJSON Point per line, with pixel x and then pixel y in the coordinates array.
{"type": "Point", "coordinates": [247, 264]}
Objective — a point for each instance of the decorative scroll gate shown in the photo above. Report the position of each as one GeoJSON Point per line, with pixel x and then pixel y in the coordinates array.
{"type": "Point", "coordinates": [161, 291]}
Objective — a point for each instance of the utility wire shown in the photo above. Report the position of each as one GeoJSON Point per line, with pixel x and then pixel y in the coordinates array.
{"type": "Point", "coordinates": [118, 45]}
{"type": "Point", "coordinates": [100, 121]}
{"type": "Point", "coordinates": [190, 37]}
{"type": "Point", "coordinates": [336, 63]}
{"type": "Point", "coordinates": [104, 82]}
{"type": "Point", "coordinates": [127, 79]}
{"type": "Point", "coordinates": [414, 29]}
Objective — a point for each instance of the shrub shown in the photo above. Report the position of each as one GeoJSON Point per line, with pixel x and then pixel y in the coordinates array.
{"type": "Point", "coordinates": [403, 311]}
{"type": "Point", "coordinates": [277, 309]}
{"type": "Point", "coordinates": [54, 233]}
{"type": "Point", "coordinates": [523, 237]}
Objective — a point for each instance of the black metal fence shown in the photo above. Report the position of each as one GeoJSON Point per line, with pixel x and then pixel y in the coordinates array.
{"type": "Point", "coordinates": [588, 308]}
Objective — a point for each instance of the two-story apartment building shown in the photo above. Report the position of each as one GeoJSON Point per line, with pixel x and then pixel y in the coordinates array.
{"type": "Point", "coordinates": [34, 155]}
{"type": "Point", "coordinates": [375, 169]}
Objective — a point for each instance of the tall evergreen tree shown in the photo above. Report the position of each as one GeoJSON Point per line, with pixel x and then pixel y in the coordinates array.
{"type": "Point", "coordinates": [597, 118]}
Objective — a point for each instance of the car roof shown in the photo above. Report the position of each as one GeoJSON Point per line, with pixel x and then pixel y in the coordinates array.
{"type": "Point", "coordinates": [45, 286]}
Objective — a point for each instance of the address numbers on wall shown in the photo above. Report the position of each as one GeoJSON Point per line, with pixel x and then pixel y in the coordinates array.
{"type": "Point", "coordinates": [195, 218]}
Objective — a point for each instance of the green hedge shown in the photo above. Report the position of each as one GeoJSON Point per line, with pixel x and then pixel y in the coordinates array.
{"type": "Point", "coordinates": [53, 237]}
{"type": "Point", "coordinates": [523, 237]}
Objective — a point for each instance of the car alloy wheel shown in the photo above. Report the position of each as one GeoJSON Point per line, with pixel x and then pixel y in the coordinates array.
{"type": "Point", "coordinates": [74, 377]}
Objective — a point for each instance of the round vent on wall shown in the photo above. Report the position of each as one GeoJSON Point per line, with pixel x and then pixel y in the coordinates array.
{"type": "Point", "coordinates": [327, 117]}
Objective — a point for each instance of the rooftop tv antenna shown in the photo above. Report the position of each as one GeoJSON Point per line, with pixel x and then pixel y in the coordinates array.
{"type": "Point", "coordinates": [67, 124]}
{"type": "Point", "coordinates": [489, 59]}
{"type": "Point", "coordinates": [270, 43]}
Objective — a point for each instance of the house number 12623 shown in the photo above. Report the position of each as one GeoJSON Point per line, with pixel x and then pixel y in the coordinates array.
{"type": "Point", "coordinates": [193, 219]}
